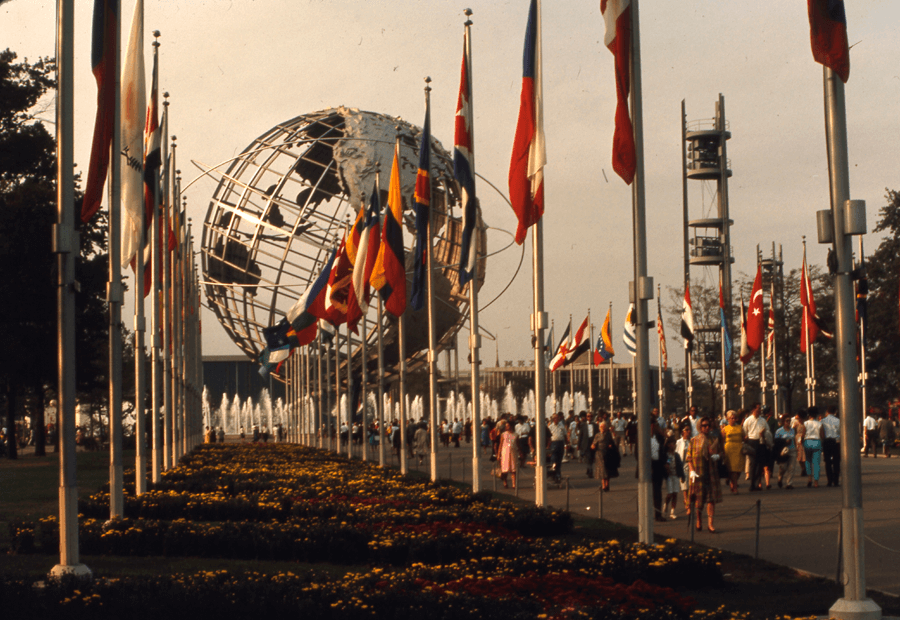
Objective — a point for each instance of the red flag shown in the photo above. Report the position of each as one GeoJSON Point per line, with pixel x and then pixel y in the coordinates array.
{"type": "Point", "coordinates": [809, 328]}
{"type": "Point", "coordinates": [367, 252]}
{"type": "Point", "coordinates": [828, 35]}
{"type": "Point", "coordinates": [526, 168]}
{"type": "Point", "coordinates": [617, 15]}
{"type": "Point", "coordinates": [756, 327]}
{"type": "Point", "coordinates": [105, 38]}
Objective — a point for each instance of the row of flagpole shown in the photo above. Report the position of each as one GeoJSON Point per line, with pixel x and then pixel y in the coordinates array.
{"type": "Point", "coordinates": [130, 157]}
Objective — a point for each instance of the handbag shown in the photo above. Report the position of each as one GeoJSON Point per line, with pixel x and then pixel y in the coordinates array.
{"type": "Point", "coordinates": [747, 449]}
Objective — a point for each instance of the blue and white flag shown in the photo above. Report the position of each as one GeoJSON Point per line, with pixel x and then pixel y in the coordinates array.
{"type": "Point", "coordinates": [628, 336]}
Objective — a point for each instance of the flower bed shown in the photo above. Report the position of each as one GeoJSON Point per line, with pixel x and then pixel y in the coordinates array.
{"type": "Point", "coordinates": [426, 548]}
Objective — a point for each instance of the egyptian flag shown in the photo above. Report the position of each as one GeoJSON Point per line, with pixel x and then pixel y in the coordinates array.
{"type": "Point", "coordinates": [526, 168]}
{"type": "Point", "coordinates": [389, 274]}
{"type": "Point", "coordinates": [464, 168]}
{"type": "Point", "coordinates": [581, 343]}
{"type": "Point", "coordinates": [604, 343]}
{"type": "Point", "coordinates": [105, 38]}
{"type": "Point", "coordinates": [367, 252]}
{"type": "Point", "coordinates": [756, 318]}
{"type": "Point", "coordinates": [559, 359]}
{"type": "Point", "coordinates": [828, 35]}
{"type": "Point", "coordinates": [617, 16]}
{"type": "Point", "coordinates": [152, 164]}
{"type": "Point", "coordinates": [423, 215]}
{"type": "Point", "coordinates": [687, 319]}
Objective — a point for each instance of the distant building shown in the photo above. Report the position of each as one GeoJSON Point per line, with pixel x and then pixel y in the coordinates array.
{"type": "Point", "coordinates": [236, 374]}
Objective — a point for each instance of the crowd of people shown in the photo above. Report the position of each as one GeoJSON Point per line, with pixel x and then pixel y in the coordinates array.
{"type": "Point", "coordinates": [691, 458]}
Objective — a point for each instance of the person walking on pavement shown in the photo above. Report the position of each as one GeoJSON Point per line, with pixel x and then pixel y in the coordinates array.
{"type": "Point", "coordinates": [754, 435]}
{"type": "Point", "coordinates": [870, 426]}
{"type": "Point", "coordinates": [831, 446]}
{"type": "Point", "coordinates": [812, 444]}
{"type": "Point", "coordinates": [786, 445]}
{"type": "Point", "coordinates": [586, 447]}
{"type": "Point", "coordinates": [704, 465]}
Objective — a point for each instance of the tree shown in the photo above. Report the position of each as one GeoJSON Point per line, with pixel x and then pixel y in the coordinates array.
{"type": "Point", "coordinates": [882, 335]}
{"type": "Point", "coordinates": [788, 321]}
{"type": "Point", "coordinates": [28, 318]}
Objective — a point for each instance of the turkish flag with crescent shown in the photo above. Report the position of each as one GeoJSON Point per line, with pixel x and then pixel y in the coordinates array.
{"type": "Point", "coordinates": [755, 316]}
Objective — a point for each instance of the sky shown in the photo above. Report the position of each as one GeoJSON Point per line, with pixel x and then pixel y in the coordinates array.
{"type": "Point", "coordinates": [235, 68]}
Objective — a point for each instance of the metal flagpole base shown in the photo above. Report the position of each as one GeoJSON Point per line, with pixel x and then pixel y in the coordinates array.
{"type": "Point", "coordinates": [540, 485]}
{"type": "Point", "coordinates": [646, 512]}
{"type": "Point", "coordinates": [434, 467]}
{"type": "Point", "coordinates": [865, 609]}
{"type": "Point", "coordinates": [79, 571]}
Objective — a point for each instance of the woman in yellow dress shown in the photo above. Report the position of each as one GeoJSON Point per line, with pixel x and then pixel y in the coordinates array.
{"type": "Point", "coordinates": [733, 435]}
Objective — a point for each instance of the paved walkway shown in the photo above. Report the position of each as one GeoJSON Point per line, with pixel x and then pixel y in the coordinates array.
{"type": "Point", "coordinates": [797, 528]}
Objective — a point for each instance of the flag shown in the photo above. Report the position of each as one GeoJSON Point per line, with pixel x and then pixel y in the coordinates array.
{"type": "Point", "coordinates": [337, 292]}
{"type": "Point", "coordinates": [312, 304]}
{"type": "Point", "coordinates": [464, 168]}
{"type": "Point", "coordinates": [560, 358]}
{"type": "Point", "coordinates": [581, 342]}
{"type": "Point", "coordinates": [828, 35]}
{"type": "Point", "coordinates": [526, 168]}
{"type": "Point", "coordinates": [724, 326]}
{"type": "Point", "coordinates": [663, 353]}
{"type": "Point", "coordinates": [629, 334]}
{"type": "Point", "coordinates": [548, 348]}
{"type": "Point", "coordinates": [276, 336]}
{"type": "Point", "coordinates": [770, 336]}
{"type": "Point", "coordinates": [270, 360]}
{"type": "Point", "coordinates": [604, 343]}
{"type": "Point", "coordinates": [617, 17]}
{"type": "Point", "coordinates": [104, 42]}
{"type": "Point", "coordinates": [687, 319]}
{"type": "Point", "coordinates": [389, 274]}
{"type": "Point", "coordinates": [423, 216]}
{"type": "Point", "coordinates": [367, 252]}
{"type": "Point", "coordinates": [152, 164]}
{"type": "Point", "coordinates": [746, 353]}
{"type": "Point", "coordinates": [809, 326]}
{"type": "Point", "coordinates": [755, 314]}
{"type": "Point", "coordinates": [133, 121]}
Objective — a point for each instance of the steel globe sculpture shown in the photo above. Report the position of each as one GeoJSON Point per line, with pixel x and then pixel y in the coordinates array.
{"type": "Point", "coordinates": [285, 201]}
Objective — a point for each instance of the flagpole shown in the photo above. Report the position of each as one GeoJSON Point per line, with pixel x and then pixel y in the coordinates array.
{"type": "Point", "coordinates": [66, 249]}
{"type": "Point", "coordinates": [364, 378]}
{"type": "Point", "coordinates": [167, 308]}
{"type": "Point", "coordinates": [590, 365]}
{"type": "Point", "coordinates": [854, 604]}
{"type": "Point", "coordinates": [349, 414]}
{"type": "Point", "coordinates": [643, 287]}
{"type": "Point", "coordinates": [432, 352]}
{"type": "Point", "coordinates": [612, 395]}
{"type": "Point", "coordinates": [660, 370]}
{"type": "Point", "coordinates": [474, 335]}
{"type": "Point", "coordinates": [763, 384]}
{"type": "Point", "coordinates": [774, 345]}
{"type": "Point", "coordinates": [404, 438]}
{"type": "Point", "coordinates": [863, 317]}
{"type": "Point", "coordinates": [381, 434]}
{"type": "Point", "coordinates": [553, 374]}
{"type": "Point", "coordinates": [723, 334]}
{"type": "Point", "coordinates": [155, 307]}
{"type": "Point", "coordinates": [571, 365]}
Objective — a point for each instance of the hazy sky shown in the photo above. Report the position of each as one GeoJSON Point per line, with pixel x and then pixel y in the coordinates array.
{"type": "Point", "coordinates": [235, 68]}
